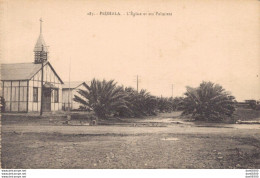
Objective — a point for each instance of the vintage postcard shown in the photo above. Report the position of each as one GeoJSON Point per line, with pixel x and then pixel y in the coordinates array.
{"type": "Point", "coordinates": [157, 84]}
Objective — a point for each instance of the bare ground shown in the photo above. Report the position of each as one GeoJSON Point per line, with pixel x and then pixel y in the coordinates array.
{"type": "Point", "coordinates": [148, 144]}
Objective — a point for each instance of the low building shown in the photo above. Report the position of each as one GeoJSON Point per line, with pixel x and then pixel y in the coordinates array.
{"type": "Point", "coordinates": [24, 84]}
{"type": "Point", "coordinates": [69, 90]}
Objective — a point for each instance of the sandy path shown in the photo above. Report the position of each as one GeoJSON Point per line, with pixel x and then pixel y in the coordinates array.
{"type": "Point", "coordinates": [239, 130]}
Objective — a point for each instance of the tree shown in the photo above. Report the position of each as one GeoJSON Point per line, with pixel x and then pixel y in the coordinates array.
{"type": "Point", "coordinates": [177, 103]}
{"type": "Point", "coordinates": [252, 103]}
{"type": "Point", "coordinates": [139, 104]}
{"type": "Point", "coordinates": [164, 104]}
{"type": "Point", "coordinates": [147, 102]}
{"type": "Point", "coordinates": [103, 97]}
{"type": "Point", "coordinates": [209, 102]}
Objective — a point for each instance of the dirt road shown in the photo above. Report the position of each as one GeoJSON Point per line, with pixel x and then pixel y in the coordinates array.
{"type": "Point", "coordinates": [175, 146]}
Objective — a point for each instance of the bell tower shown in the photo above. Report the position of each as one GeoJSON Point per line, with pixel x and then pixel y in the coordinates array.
{"type": "Point", "coordinates": [40, 49]}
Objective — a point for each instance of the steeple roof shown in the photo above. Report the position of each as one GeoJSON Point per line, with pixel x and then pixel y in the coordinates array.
{"type": "Point", "coordinates": [40, 44]}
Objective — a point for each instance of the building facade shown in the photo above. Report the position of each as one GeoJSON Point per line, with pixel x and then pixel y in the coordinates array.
{"type": "Point", "coordinates": [28, 87]}
{"type": "Point", "coordinates": [69, 90]}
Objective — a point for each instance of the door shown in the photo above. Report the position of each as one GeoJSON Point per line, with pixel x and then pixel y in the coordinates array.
{"type": "Point", "coordinates": [46, 100]}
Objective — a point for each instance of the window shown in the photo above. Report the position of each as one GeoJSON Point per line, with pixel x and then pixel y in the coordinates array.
{"type": "Point", "coordinates": [35, 94]}
{"type": "Point", "coordinates": [56, 95]}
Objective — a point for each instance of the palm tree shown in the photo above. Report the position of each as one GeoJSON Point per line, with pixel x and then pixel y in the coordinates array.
{"type": "Point", "coordinates": [208, 102]}
{"type": "Point", "coordinates": [103, 97]}
{"type": "Point", "coordinates": [139, 103]}
{"type": "Point", "coordinates": [165, 104]}
{"type": "Point", "coordinates": [148, 103]}
{"type": "Point", "coordinates": [177, 103]}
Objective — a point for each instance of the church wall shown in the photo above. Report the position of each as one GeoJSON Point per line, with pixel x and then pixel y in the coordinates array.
{"type": "Point", "coordinates": [50, 77]}
{"type": "Point", "coordinates": [18, 94]}
{"type": "Point", "coordinates": [15, 95]}
{"type": "Point", "coordinates": [35, 82]}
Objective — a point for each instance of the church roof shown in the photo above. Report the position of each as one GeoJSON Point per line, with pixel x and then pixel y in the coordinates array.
{"type": "Point", "coordinates": [72, 85]}
{"type": "Point", "coordinates": [40, 44]}
{"type": "Point", "coordinates": [21, 71]}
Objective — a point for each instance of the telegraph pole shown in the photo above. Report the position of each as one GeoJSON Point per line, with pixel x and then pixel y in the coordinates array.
{"type": "Point", "coordinates": [69, 90]}
{"type": "Point", "coordinates": [137, 83]}
{"type": "Point", "coordinates": [172, 90]}
{"type": "Point", "coordinates": [41, 58]}
{"type": "Point", "coordinates": [41, 89]}
{"type": "Point", "coordinates": [69, 97]}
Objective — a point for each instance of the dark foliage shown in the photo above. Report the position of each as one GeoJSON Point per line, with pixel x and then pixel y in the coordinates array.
{"type": "Point", "coordinates": [103, 97]}
{"type": "Point", "coordinates": [107, 99]}
{"type": "Point", "coordinates": [208, 102]}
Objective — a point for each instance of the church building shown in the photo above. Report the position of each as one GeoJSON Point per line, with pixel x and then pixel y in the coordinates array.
{"type": "Point", "coordinates": [32, 87]}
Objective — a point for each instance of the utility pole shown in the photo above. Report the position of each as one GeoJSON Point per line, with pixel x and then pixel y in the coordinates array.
{"type": "Point", "coordinates": [137, 83]}
{"type": "Point", "coordinates": [41, 58]}
{"type": "Point", "coordinates": [41, 90]}
{"type": "Point", "coordinates": [69, 97]}
{"type": "Point", "coordinates": [69, 90]}
{"type": "Point", "coordinates": [172, 90]}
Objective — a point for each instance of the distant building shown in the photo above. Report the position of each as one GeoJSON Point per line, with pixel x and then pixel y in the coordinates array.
{"type": "Point", "coordinates": [69, 90]}
{"type": "Point", "coordinates": [21, 83]}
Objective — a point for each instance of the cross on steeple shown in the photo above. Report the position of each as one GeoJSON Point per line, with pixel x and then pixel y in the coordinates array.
{"type": "Point", "coordinates": [40, 49]}
{"type": "Point", "coordinates": [41, 25]}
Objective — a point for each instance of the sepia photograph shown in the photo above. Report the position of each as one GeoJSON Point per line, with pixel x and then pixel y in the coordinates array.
{"type": "Point", "coordinates": [157, 84]}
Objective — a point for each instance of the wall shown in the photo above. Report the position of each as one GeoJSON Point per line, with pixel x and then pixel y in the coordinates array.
{"type": "Point", "coordinates": [48, 76]}
{"type": "Point", "coordinates": [65, 98]}
{"type": "Point", "coordinates": [15, 95]}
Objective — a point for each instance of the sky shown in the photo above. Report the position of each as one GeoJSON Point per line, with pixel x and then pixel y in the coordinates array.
{"type": "Point", "coordinates": [203, 40]}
